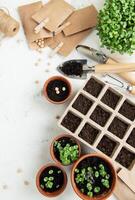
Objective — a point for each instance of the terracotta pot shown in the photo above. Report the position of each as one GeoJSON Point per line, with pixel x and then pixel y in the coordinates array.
{"type": "Point", "coordinates": [52, 194]}
{"type": "Point", "coordinates": [57, 78]}
{"type": "Point", "coordinates": [100, 197]}
{"type": "Point", "coordinates": [57, 138]}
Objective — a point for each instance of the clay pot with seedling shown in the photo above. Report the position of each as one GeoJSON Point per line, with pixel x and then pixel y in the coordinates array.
{"type": "Point", "coordinates": [57, 89]}
{"type": "Point", "coordinates": [65, 150]}
{"type": "Point", "coordinates": [51, 180]}
{"type": "Point", "coordinates": [93, 177]}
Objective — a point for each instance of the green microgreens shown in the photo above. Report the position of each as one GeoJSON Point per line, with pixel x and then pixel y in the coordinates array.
{"type": "Point", "coordinates": [68, 154]}
{"type": "Point", "coordinates": [116, 25]}
{"type": "Point", "coordinates": [87, 177]}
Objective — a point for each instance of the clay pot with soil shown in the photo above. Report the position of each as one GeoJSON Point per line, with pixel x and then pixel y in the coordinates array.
{"type": "Point", "coordinates": [51, 180]}
{"type": "Point", "coordinates": [65, 150]}
{"type": "Point", "coordinates": [57, 89]}
{"type": "Point", "coordinates": [93, 177]}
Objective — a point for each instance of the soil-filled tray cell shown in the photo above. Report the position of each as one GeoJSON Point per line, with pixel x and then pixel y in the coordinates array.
{"type": "Point", "coordinates": [131, 139]}
{"type": "Point", "coordinates": [89, 133]}
{"type": "Point", "coordinates": [71, 122]}
{"type": "Point", "coordinates": [82, 104]}
{"type": "Point", "coordinates": [93, 87]}
{"type": "Point", "coordinates": [128, 110]}
{"type": "Point", "coordinates": [107, 145]}
{"type": "Point", "coordinates": [118, 127]}
{"type": "Point", "coordinates": [100, 116]}
{"type": "Point", "coordinates": [126, 158]}
{"type": "Point", "coordinates": [111, 99]}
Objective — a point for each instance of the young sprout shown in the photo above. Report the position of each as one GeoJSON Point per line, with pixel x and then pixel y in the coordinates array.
{"type": "Point", "coordinates": [76, 170]}
{"type": "Point", "coordinates": [90, 194]}
{"type": "Point", "coordinates": [96, 174]}
{"type": "Point", "coordinates": [89, 186]}
{"type": "Point", "coordinates": [105, 183]}
{"type": "Point", "coordinates": [59, 172]}
{"type": "Point", "coordinates": [97, 189]}
{"type": "Point", "coordinates": [51, 178]}
{"type": "Point", "coordinates": [49, 185]}
{"type": "Point", "coordinates": [46, 179]}
{"type": "Point", "coordinates": [50, 171]}
{"type": "Point", "coordinates": [42, 186]}
{"type": "Point", "coordinates": [82, 190]}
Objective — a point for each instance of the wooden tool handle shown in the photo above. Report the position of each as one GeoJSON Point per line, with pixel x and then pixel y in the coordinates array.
{"type": "Point", "coordinates": [129, 76]}
{"type": "Point", "coordinates": [114, 68]}
{"type": "Point", "coordinates": [133, 90]}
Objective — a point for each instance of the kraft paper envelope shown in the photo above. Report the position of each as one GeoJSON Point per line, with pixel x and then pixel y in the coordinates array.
{"type": "Point", "coordinates": [81, 20]}
{"type": "Point", "coordinates": [25, 12]}
{"type": "Point", "coordinates": [56, 12]}
{"type": "Point", "coordinates": [69, 43]}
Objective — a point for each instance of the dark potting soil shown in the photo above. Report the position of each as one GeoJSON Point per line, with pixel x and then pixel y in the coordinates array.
{"type": "Point", "coordinates": [93, 87]}
{"type": "Point", "coordinates": [100, 116]}
{"type": "Point", "coordinates": [63, 141]}
{"type": "Point", "coordinates": [71, 122]}
{"type": "Point", "coordinates": [82, 104]}
{"type": "Point", "coordinates": [58, 178]}
{"type": "Point", "coordinates": [118, 127]}
{"type": "Point", "coordinates": [106, 145]}
{"type": "Point", "coordinates": [125, 158]}
{"type": "Point", "coordinates": [63, 90]}
{"type": "Point", "coordinates": [89, 133]}
{"type": "Point", "coordinates": [94, 162]}
{"type": "Point", "coordinates": [131, 138]}
{"type": "Point", "coordinates": [72, 68]}
{"type": "Point", "coordinates": [128, 110]}
{"type": "Point", "coordinates": [111, 99]}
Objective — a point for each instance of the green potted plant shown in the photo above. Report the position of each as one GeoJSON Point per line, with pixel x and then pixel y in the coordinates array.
{"type": "Point", "coordinates": [93, 177]}
{"type": "Point", "coordinates": [116, 27]}
{"type": "Point", "coordinates": [65, 150]}
{"type": "Point", "coordinates": [51, 180]}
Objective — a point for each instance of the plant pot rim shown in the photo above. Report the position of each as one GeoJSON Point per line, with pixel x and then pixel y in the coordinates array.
{"type": "Point", "coordinates": [102, 196]}
{"type": "Point", "coordinates": [57, 138]}
{"type": "Point", "coordinates": [56, 193]}
{"type": "Point", "coordinates": [56, 78]}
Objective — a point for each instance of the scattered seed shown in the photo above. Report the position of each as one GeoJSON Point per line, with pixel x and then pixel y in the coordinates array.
{"type": "Point", "coordinates": [57, 117]}
{"type": "Point", "coordinates": [26, 183]}
{"type": "Point", "coordinates": [5, 187]}
{"type": "Point", "coordinates": [19, 171]}
{"type": "Point", "coordinates": [36, 82]}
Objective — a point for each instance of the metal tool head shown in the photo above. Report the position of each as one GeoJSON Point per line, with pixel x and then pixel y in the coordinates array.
{"type": "Point", "coordinates": [92, 53]}
{"type": "Point", "coordinates": [74, 69]}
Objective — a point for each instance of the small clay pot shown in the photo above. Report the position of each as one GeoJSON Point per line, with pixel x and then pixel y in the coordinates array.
{"type": "Point", "coordinates": [60, 78]}
{"type": "Point", "coordinates": [50, 194]}
{"type": "Point", "coordinates": [52, 148]}
{"type": "Point", "coordinates": [99, 197]}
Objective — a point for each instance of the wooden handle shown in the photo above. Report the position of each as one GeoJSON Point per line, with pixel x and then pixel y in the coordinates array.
{"type": "Point", "coordinates": [133, 90]}
{"type": "Point", "coordinates": [114, 68]}
{"type": "Point", "coordinates": [129, 76]}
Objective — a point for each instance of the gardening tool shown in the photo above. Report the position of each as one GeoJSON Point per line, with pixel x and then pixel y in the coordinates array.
{"type": "Point", "coordinates": [100, 57]}
{"type": "Point", "coordinates": [80, 68]}
{"type": "Point", "coordinates": [121, 84]}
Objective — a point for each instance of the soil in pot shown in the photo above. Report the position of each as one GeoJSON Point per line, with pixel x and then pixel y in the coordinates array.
{"type": "Point", "coordinates": [118, 127]}
{"type": "Point", "coordinates": [126, 158]}
{"type": "Point", "coordinates": [66, 150]}
{"type": "Point", "coordinates": [51, 179]}
{"type": "Point", "coordinates": [128, 110]}
{"type": "Point", "coordinates": [89, 133]}
{"type": "Point", "coordinates": [71, 122]}
{"type": "Point", "coordinates": [100, 116]}
{"type": "Point", "coordinates": [58, 90]}
{"type": "Point", "coordinates": [111, 99]}
{"type": "Point", "coordinates": [93, 177]}
{"type": "Point", "coordinates": [131, 138]}
{"type": "Point", "coordinates": [82, 104]}
{"type": "Point", "coordinates": [107, 146]}
{"type": "Point", "coordinates": [93, 87]}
